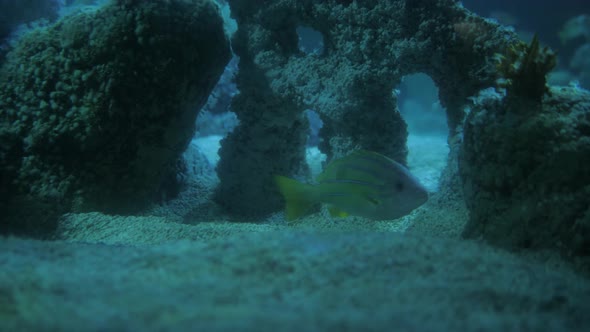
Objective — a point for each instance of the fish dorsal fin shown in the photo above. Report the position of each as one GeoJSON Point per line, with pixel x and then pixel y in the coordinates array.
{"type": "Point", "coordinates": [334, 169]}
{"type": "Point", "coordinates": [367, 153]}
{"type": "Point", "coordinates": [358, 159]}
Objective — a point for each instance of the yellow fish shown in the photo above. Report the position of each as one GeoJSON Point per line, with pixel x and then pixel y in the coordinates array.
{"type": "Point", "coordinates": [364, 183]}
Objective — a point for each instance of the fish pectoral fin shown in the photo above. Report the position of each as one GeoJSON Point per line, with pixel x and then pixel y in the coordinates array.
{"type": "Point", "coordinates": [335, 212]}
{"type": "Point", "coordinates": [372, 200]}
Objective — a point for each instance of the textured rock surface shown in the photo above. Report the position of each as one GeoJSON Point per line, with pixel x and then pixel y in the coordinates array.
{"type": "Point", "coordinates": [368, 47]}
{"type": "Point", "coordinates": [97, 108]}
{"type": "Point", "coordinates": [525, 171]}
{"type": "Point", "coordinates": [134, 274]}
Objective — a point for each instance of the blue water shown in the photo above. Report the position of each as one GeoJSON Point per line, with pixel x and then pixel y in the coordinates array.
{"type": "Point", "coordinates": [544, 17]}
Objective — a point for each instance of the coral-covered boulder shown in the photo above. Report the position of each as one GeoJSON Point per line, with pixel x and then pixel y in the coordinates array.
{"type": "Point", "coordinates": [97, 108]}
{"type": "Point", "coordinates": [525, 169]}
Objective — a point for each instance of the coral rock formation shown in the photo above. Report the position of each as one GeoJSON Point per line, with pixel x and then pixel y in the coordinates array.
{"type": "Point", "coordinates": [368, 47]}
{"type": "Point", "coordinates": [97, 108]}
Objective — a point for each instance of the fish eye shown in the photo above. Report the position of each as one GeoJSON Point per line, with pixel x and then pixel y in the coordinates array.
{"type": "Point", "coordinates": [399, 186]}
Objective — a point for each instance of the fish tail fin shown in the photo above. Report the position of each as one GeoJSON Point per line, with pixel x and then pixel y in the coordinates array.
{"type": "Point", "coordinates": [297, 196]}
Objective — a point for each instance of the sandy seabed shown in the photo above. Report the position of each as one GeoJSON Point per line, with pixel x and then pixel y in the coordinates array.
{"type": "Point", "coordinates": [150, 273]}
